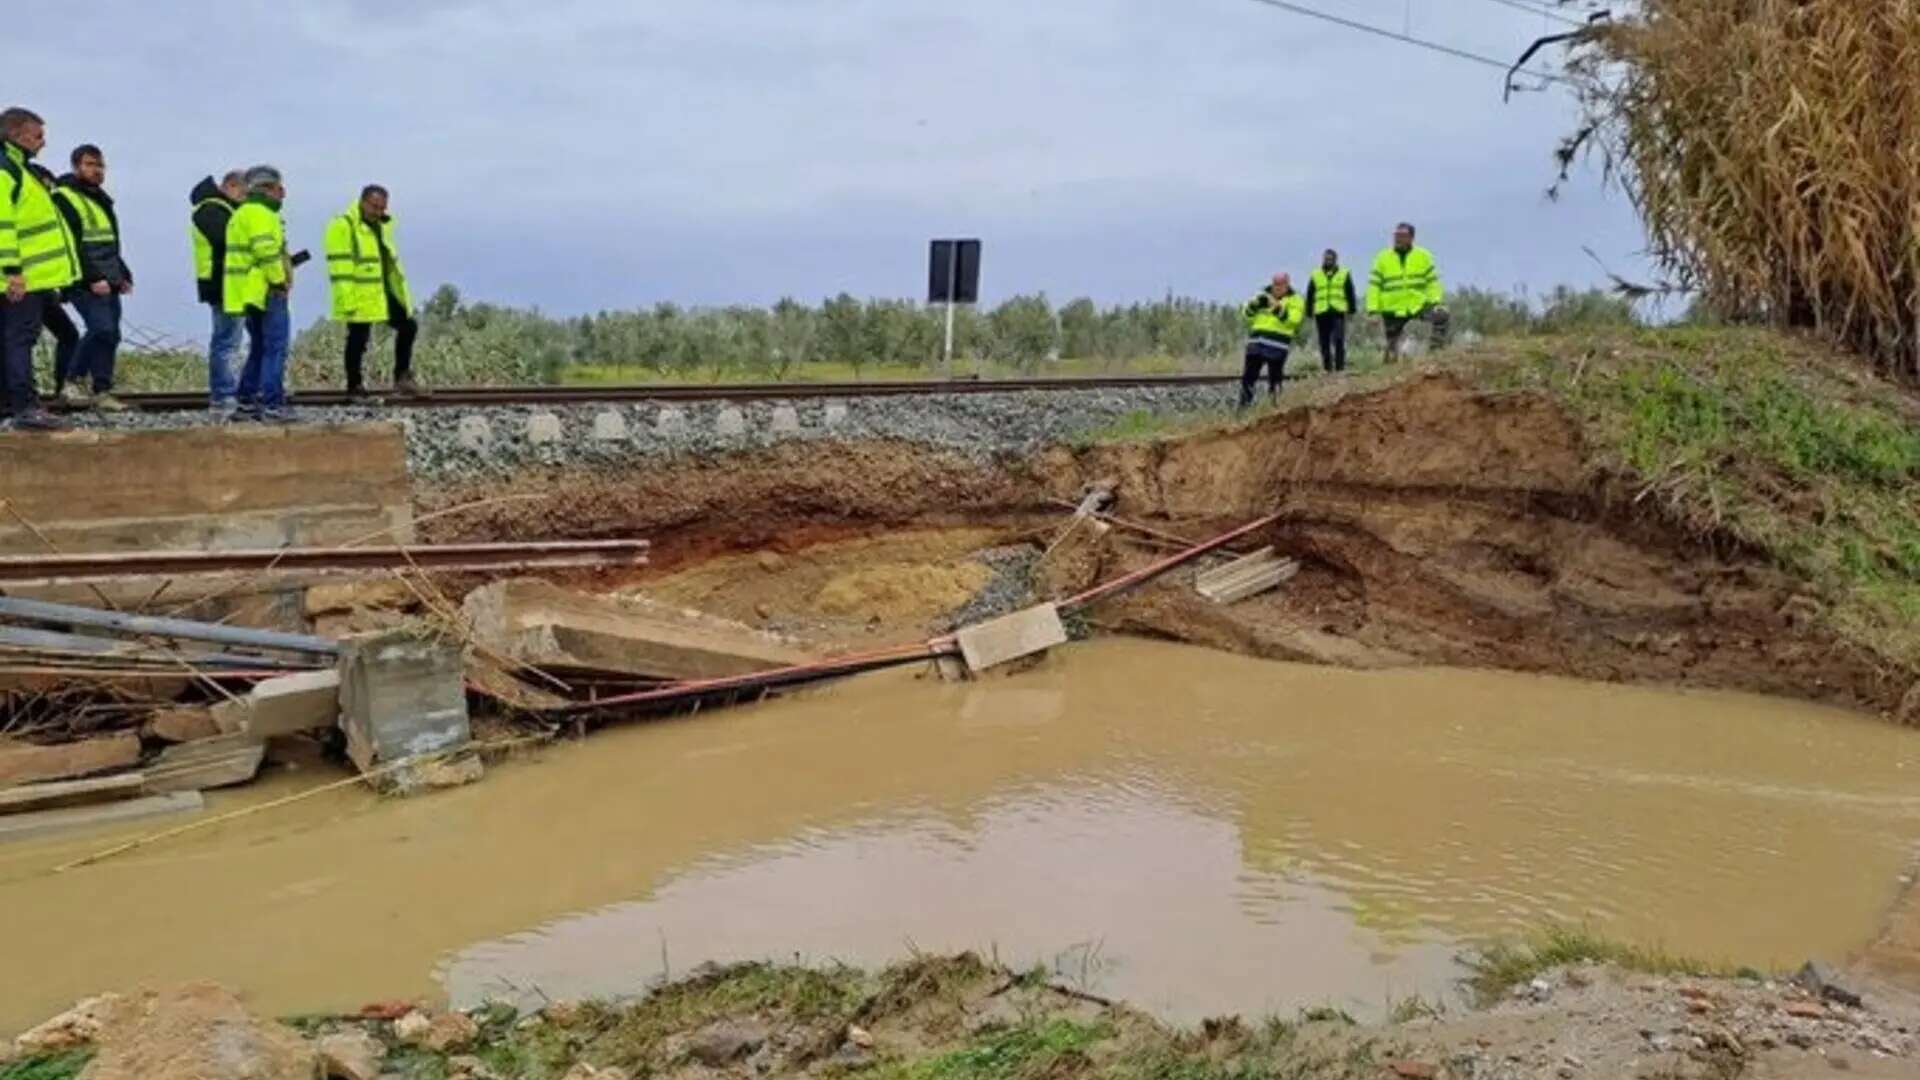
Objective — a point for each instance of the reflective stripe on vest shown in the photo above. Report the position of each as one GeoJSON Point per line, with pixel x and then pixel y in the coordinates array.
{"type": "Point", "coordinates": [95, 226]}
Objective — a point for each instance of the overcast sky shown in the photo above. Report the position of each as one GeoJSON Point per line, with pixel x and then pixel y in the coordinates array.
{"type": "Point", "coordinates": [582, 154]}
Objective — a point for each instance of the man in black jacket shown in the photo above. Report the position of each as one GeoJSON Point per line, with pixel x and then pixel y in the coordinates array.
{"type": "Point", "coordinates": [212, 205]}
{"type": "Point", "coordinates": [104, 279]}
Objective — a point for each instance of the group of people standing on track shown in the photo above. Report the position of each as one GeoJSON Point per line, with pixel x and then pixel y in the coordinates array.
{"type": "Point", "coordinates": [1403, 286]}
{"type": "Point", "coordinates": [60, 243]}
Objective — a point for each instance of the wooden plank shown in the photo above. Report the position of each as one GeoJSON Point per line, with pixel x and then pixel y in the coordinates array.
{"type": "Point", "coordinates": [1023, 633]}
{"type": "Point", "coordinates": [28, 797]}
{"type": "Point", "coordinates": [40, 823]}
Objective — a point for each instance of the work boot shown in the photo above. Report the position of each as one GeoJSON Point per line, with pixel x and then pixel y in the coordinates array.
{"type": "Point", "coordinates": [222, 411]}
{"type": "Point", "coordinates": [406, 387]}
{"type": "Point", "coordinates": [107, 403]}
{"type": "Point", "coordinates": [360, 395]}
{"type": "Point", "coordinates": [39, 420]}
{"type": "Point", "coordinates": [73, 395]}
{"type": "Point", "coordinates": [274, 416]}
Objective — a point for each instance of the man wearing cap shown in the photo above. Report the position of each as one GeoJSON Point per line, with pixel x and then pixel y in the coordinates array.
{"type": "Point", "coordinates": [258, 278]}
{"type": "Point", "coordinates": [1273, 318]}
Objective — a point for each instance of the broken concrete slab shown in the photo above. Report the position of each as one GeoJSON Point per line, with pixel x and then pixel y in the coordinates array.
{"type": "Point", "coordinates": [43, 822]}
{"type": "Point", "coordinates": [1245, 577]}
{"type": "Point", "coordinates": [401, 695]}
{"type": "Point", "coordinates": [24, 762]}
{"type": "Point", "coordinates": [218, 762]}
{"type": "Point", "coordinates": [283, 706]}
{"type": "Point", "coordinates": [63, 793]}
{"type": "Point", "coordinates": [536, 622]}
{"type": "Point", "coordinates": [182, 725]}
{"type": "Point", "coordinates": [1023, 633]}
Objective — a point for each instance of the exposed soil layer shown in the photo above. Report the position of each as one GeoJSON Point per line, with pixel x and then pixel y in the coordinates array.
{"type": "Point", "coordinates": [1436, 524]}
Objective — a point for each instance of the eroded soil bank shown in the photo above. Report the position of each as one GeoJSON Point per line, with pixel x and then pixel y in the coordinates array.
{"type": "Point", "coordinates": [1436, 524]}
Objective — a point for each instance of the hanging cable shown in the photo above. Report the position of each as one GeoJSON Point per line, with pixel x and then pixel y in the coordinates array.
{"type": "Point", "coordinates": [1405, 39]}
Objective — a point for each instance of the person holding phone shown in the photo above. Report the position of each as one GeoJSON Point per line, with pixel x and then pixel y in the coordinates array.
{"type": "Point", "coordinates": [259, 277]}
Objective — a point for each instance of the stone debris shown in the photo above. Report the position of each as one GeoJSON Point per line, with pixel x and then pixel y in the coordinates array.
{"type": "Point", "coordinates": [77, 1026]}
{"type": "Point", "coordinates": [450, 1031]}
{"type": "Point", "coordinates": [351, 1055]}
{"type": "Point", "coordinates": [584, 1071]}
{"type": "Point", "coordinates": [196, 1033]}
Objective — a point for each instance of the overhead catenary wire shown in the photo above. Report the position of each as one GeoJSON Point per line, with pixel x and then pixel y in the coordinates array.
{"type": "Point", "coordinates": [1536, 9]}
{"type": "Point", "coordinates": [1405, 39]}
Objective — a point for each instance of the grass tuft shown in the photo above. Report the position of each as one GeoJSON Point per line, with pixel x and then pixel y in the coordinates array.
{"type": "Point", "coordinates": [64, 1065]}
{"type": "Point", "coordinates": [1497, 968]}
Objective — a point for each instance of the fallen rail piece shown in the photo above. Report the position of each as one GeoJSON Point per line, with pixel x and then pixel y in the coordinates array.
{"type": "Point", "coordinates": [19, 609]}
{"type": "Point", "coordinates": [110, 566]}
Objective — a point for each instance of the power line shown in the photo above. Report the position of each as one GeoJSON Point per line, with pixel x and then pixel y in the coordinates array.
{"type": "Point", "coordinates": [1534, 9]}
{"type": "Point", "coordinates": [1405, 39]}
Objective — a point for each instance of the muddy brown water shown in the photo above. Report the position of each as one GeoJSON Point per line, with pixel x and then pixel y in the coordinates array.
{"type": "Point", "coordinates": [1196, 832]}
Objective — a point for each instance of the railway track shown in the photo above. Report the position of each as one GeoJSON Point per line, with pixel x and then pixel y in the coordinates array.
{"type": "Point", "coordinates": [469, 396]}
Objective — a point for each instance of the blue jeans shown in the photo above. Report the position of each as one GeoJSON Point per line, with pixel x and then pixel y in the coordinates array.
{"type": "Point", "coordinates": [220, 353]}
{"type": "Point", "coordinates": [263, 382]}
{"type": "Point", "coordinates": [100, 344]}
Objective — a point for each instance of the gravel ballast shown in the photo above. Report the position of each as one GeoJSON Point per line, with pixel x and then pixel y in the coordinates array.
{"type": "Point", "coordinates": [475, 443]}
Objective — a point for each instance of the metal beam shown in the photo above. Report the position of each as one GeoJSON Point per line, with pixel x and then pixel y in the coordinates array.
{"type": "Point", "coordinates": [17, 609]}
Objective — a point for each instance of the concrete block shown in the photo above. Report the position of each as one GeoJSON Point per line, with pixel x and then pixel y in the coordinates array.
{"type": "Point", "coordinates": [474, 433]}
{"type": "Point", "coordinates": [31, 797]}
{"type": "Point", "coordinates": [1244, 577]}
{"type": "Point", "coordinates": [671, 422]}
{"type": "Point", "coordinates": [834, 416]}
{"type": "Point", "coordinates": [401, 695]}
{"type": "Point", "coordinates": [609, 425]}
{"type": "Point", "coordinates": [218, 762]}
{"type": "Point", "coordinates": [543, 428]}
{"type": "Point", "coordinates": [27, 826]}
{"type": "Point", "coordinates": [22, 763]}
{"type": "Point", "coordinates": [182, 725]}
{"type": "Point", "coordinates": [786, 420]}
{"type": "Point", "coordinates": [284, 705]}
{"type": "Point", "coordinates": [1010, 637]}
{"type": "Point", "coordinates": [540, 623]}
{"type": "Point", "coordinates": [729, 422]}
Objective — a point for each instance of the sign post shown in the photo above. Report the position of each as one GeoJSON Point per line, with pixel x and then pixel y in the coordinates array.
{"type": "Point", "coordinates": [953, 277]}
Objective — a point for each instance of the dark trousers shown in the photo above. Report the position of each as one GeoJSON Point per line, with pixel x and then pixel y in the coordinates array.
{"type": "Point", "coordinates": [66, 342]}
{"type": "Point", "coordinates": [1396, 327]}
{"type": "Point", "coordinates": [1273, 357]}
{"type": "Point", "coordinates": [20, 324]}
{"type": "Point", "coordinates": [405, 329]}
{"type": "Point", "coordinates": [1333, 340]}
{"type": "Point", "coordinates": [100, 345]}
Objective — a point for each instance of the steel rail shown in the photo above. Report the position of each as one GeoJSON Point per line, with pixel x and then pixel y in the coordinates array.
{"type": "Point", "coordinates": [467, 396]}
{"type": "Point", "coordinates": [108, 566]}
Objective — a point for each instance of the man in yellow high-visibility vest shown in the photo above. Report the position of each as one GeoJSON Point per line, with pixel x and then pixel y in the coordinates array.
{"type": "Point", "coordinates": [1273, 318]}
{"type": "Point", "coordinates": [104, 279]}
{"type": "Point", "coordinates": [1329, 298]}
{"type": "Point", "coordinates": [1406, 286]}
{"type": "Point", "coordinates": [213, 206]}
{"type": "Point", "coordinates": [37, 260]}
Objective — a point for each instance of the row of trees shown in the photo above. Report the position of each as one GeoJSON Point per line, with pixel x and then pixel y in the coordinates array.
{"type": "Point", "coordinates": [482, 342]}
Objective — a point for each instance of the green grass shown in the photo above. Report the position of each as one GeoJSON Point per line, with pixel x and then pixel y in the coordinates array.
{"type": "Point", "coordinates": [1776, 442]}
{"type": "Point", "coordinates": [632, 1035]}
{"type": "Point", "coordinates": [63, 1065]}
{"type": "Point", "coordinates": [1049, 1048]}
{"type": "Point", "coordinates": [1495, 969]}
